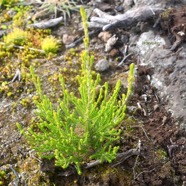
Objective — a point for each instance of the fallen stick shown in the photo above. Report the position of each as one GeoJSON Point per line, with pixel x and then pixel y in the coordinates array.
{"type": "Point", "coordinates": [17, 179]}
{"type": "Point", "coordinates": [122, 156]}
{"type": "Point", "coordinates": [126, 20]}
{"type": "Point", "coordinates": [47, 24]}
{"type": "Point", "coordinates": [124, 59]}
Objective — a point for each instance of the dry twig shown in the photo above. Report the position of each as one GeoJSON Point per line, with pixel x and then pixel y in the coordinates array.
{"type": "Point", "coordinates": [126, 20]}
{"type": "Point", "coordinates": [122, 156]}
{"type": "Point", "coordinates": [47, 24]}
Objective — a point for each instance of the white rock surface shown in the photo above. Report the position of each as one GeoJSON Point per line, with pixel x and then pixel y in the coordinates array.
{"type": "Point", "coordinates": [147, 41]}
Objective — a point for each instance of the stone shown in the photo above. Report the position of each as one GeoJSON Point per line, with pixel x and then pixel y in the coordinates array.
{"type": "Point", "coordinates": [149, 40]}
{"type": "Point", "coordinates": [120, 8]}
{"type": "Point", "coordinates": [114, 52]}
{"type": "Point", "coordinates": [174, 92]}
{"type": "Point", "coordinates": [110, 43]}
{"type": "Point", "coordinates": [102, 65]}
{"type": "Point", "coordinates": [68, 39]}
{"type": "Point", "coordinates": [104, 36]}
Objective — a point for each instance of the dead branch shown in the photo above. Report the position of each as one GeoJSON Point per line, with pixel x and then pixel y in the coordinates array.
{"type": "Point", "coordinates": [17, 76]}
{"type": "Point", "coordinates": [92, 164]}
{"type": "Point", "coordinates": [137, 157]}
{"type": "Point", "coordinates": [124, 59]}
{"type": "Point", "coordinates": [122, 156]}
{"type": "Point", "coordinates": [126, 20]}
{"type": "Point", "coordinates": [148, 171]}
{"type": "Point", "coordinates": [17, 179]}
{"type": "Point", "coordinates": [47, 24]}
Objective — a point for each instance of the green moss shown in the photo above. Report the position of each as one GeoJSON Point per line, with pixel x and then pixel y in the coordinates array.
{"type": "Point", "coordinates": [25, 102]}
{"type": "Point", "coordinates": [161, 154]}
{"type": "Point", "coordinates": [2, 177]}
{"type": "Point", "coordinates": [1, 182]}
{"type": "Point", "coordinates": [17, 36]}
{"type": "Point", "coordinates": [7, 2]}
{"type": "Point", "coordinates": [2, 173]}
{"type": "Point", "coordinates": [50, 45]}
{"type": "Point", "coordinates": [9, 94]}
{"type": "Point", "coordinates": [4, 86]}
{"type": "Point", "coordinates": [165, 15]}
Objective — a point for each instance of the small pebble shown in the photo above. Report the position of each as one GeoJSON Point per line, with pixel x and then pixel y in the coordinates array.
{"type": "Point", "coordinates": [104, 36]}
{"type": "Point", "coordinates": [124, 38]}
{"type": "Point", "coordinates": [114, 52]}
{"type": "Point", "coordinates": [110, 43]}
{"type": "Point", "coordinates": [68, 39]}
{"type": "Point", "coordinates": [120, 8]}
{"type": "Point", "coordinates": [102, 65]}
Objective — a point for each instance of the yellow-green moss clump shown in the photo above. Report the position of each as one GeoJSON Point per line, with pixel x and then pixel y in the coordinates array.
{"type": "Point", "coordinates": [50, 45]}
{"type": "Point", "coordinates": [17, 36]}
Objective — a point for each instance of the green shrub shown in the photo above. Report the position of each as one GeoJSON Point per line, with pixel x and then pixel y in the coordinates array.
{"type": "Point", "coordinates": [81, 127]}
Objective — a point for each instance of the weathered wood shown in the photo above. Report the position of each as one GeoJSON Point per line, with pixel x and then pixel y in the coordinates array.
{"type": "Point", "coordinates": [126, 20]}
{"type": "Point", "coordinates": [124, 156]}
{"type": "Point", "coordinates": [47, 24]}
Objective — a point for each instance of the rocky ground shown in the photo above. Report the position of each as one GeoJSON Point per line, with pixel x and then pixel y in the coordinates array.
{"type": "Point", "coordinates": [155, 114]}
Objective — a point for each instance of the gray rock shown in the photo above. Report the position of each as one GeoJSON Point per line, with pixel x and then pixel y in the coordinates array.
{"type": "Point", "coordinates": [110, 43]}
{"type": "Point", "coordinates": [102, 65]}
{"type": "Point", "coordinates": [149, 40]}
{"type": "Point", "coordinates": [104, 36]}
{"type": "Point", "coordinates": [170, 79]}
{"type": "Point", "coordinates": [169, 75]}
{"type": "Point", "coordinates": [135, 3]}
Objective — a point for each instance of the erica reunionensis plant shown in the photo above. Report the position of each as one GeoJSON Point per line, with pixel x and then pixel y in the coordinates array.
{"type": "Point", "coordinates": [84, 125]}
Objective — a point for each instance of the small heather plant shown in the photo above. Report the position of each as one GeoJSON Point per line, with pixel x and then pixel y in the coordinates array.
{"type": "Point", "coordinates": [82, 127]}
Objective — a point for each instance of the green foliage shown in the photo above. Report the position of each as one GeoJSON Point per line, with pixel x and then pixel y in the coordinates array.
{"type": "Point", "coordinates": [166, 14]}
{"type": "Point", "coordinates": [50, 45]}
{"type": "Point", "coordinates": [7, 2]}
{"type": "Point", "coordinates": [20, 19]}
{"type": "Point", "coordinates": [84, 125]}
{"type": "Point", "coordinates": [2, 177]}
